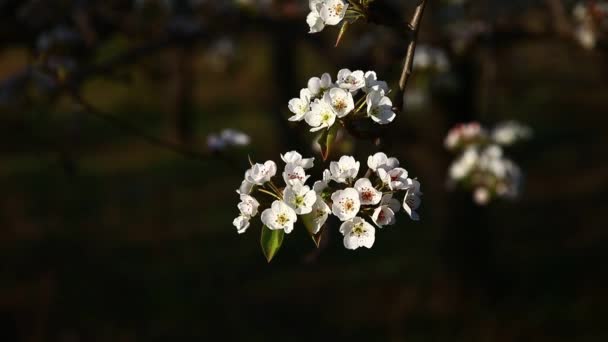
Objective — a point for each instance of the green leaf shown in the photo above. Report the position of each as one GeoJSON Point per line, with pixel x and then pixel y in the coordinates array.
{"type": "Point", "coordinates": [327, 139]}
{"type": "Point", "coordinates": [310, 227]}
{"type": "Point", "coordinates": [271, 241]}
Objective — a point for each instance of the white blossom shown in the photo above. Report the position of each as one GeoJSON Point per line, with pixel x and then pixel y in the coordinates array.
{"type": "Point", "coordinates": [508, 133]}
{"type": "Point", "coordinates": [380, 160]}
{"type": "Point", "coordinates": [320, 212]}
{"type": "Point", "coordinates": [300, 198]}
{"type": "Point", "coordinates": [279, 216]}
{"type": "Point", "coordinates": [341, 100]}
{"type": "Point", "coordinates": [295, 158]}
{"type": "Point", "coordinates": [358, 233]}
{"type": "Point", "coordinates": [241, 223]}
{"type": "Point", "coordinates": [261, 173]}
{"type": "Point", "coordinates": [325, 12]}
{"type": "Point", "coordinates": [481, 196]}
{"type": "Point", "coordinates": [294, 174]}
{"type": "Point", "coordinates": [321, 115]}
{"type": "Point", "coordinates": [385, 214]}
{"type": "Point", "coordinates": [321, 185]}
{"type": "Point", "coordinates": [373, 84]}
{"type": "Point", "coordinates": [396, 179]}
{"type": "Point", "coordinates": [245, 188]}
{"type": "Point", "coordinates": [300, 106]}
{"type": "Point", "coordinates": [351, 80]}
{"type": "Point", "coordinates": [344, 169]}
{"type": "Point", "coordinates": [464, 134]}
{"type": "Point", "coordinates": [248, 206]}
{"type": "Point", "coordinates": [345, 203]}
{"type": "Point", "coordinates": [318, 86]}
{"type": "Point", "coordinates": [412, 200]}
{"type": "Point", "coordinates": [463, 166]}
{"type": "Point", "coordinates": [380, 107]}
{"type": "Point", "coordinates": [368, 195]}
{"type": "Point", "coordinates": [227, 138]}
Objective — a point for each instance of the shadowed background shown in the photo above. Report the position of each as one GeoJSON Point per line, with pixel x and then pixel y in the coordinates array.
{"type": "Point", "coordinates": [108, 236]}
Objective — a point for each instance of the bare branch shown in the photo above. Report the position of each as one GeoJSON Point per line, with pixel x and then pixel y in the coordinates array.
{"type": "Point", "coordinates": [414, 27]}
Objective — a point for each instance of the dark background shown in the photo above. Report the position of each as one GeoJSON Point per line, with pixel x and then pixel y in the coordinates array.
{"type": "Point", "coordinates": [107, 234]}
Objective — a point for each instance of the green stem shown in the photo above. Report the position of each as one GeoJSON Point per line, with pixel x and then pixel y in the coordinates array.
{"type": "Point", "coordinates": [270, 193]}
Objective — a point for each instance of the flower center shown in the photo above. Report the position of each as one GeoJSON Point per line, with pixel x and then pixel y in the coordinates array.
{"type": "Point", "coordinates": [367, 195]}
{"type": "Point", "coordinates": [282, 219]}
{"type": "Point", "coordinates": [337, 9]}
{"type": "Point", "coordinates": [325, 117]}
{"type": "Point", "coordinates": [299, 201]}
{"type": "Point", "coordinates": [348, 204]}
{"type": "Point", "coordinates": [358, 230]}
{"type": "Point", "coordinates": [340, 104]}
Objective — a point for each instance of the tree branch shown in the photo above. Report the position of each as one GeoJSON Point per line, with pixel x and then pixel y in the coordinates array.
{"type": "Point", "coordinates": [414, 27]}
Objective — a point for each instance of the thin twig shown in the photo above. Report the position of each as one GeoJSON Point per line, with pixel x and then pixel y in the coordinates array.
{"type": "Point", "coordinates": [414, 27]}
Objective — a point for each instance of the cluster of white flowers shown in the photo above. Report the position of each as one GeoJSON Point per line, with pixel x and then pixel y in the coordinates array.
{"type": "Point", "coordinates": [324, 13]}
{"type": "Point", "coordinates": [591, 19]}
{"type": "Point", "coordinates": [378, 196]}
{"type": "Point", "coordinates": [324, 102]}
{"type": "Point", "coordinates": [481, 165]}
{"type": "Point", "coordinates": [227, 138]}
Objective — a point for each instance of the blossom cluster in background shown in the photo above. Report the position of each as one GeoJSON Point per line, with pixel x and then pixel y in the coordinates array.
{"type": "Point", "coordinates": [591, 19]}
{"type": "Point", "coordinates": [431, 58]}
{"type": "Point", "coordinates": [227, 138]}
{"type": "Point", "coordinates": [354, 94]}
{"type": "Point", "coordinates": [325, 13]}
{"type": "Point", "coordinates": [361, 204]}
{"type": "Point", "coordinates": [480, 165]}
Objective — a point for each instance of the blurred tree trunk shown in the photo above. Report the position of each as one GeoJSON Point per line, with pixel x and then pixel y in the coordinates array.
{"type": "Point", "coordinates": [181, 84]}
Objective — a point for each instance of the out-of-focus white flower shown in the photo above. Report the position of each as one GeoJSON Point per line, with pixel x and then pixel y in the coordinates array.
{"type": "Point", "coordinates": [248, 206]}
{"type": "Point", "coordinates": [318, 86]}
{"type": "Point", "coordinates": [464, 134]}
{"type": "Point", "coordinates": [300, 106]}
{"type": "Point", "coordinates": [396, 178]}
{"type": "Point", "coordinates": [351, 80]}
{"type": "Point", "coordinates": [380, 160]}
{"type": "Point", "coordinates": [295, 158]}
{"type": "Point", "coordinates": [412, 200]}
{"type": "Point", "coordinates": [341, 100]}
{"type": "Point", "coordinates": [320, 212]}
{"type": "Point", "coordinates": [345, 169]}
{"type": "Point", "coordinates": [373, 84]}
{"type": "Point", "coordinates": [321, 115]}
{"type": "Point", "coordinates": [481, 196]}
{"type": "Point", "coordinates": [465, 164]}
{"type": "Point", "coordinates": [380, 107]}
{"type": "Point", "coordinates": [279, 216]}
{"type": "Point", "coordinates": [294, 174]}
{"type": "Point", "coordinates": [241, 223]}
{"type": "Point", "coordinates": [586, 36]}
{"type": "Point", "coordinates": [300, 198]}
{"type": "Point", "coordinates": [227, 138]}
{"type": "Point", "coordinates": [385, 214]}
{"type": "Point", "coordinates": [358, 233]}
{"type": "Point", "coordinates": [345, 204]}
{"type": "Point", "coordinates": [325, 12]}
{"type": "Point", "coordinates": [510, 132]}
{"type": "Point", "coordinates": [368, 195]}
{"type": "Point", "coordinates": [261, 173]}
{"type": "Point", "coordinates": [428, 57]}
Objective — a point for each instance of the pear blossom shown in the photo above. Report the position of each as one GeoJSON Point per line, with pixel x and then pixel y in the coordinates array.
{"type": "Point", "coordinates": [294, 174]}
{"type": "Point", "coordinates": [481, 196]}
{"type": "Point", "coordinates": [358, 233]}
{"type": "Point", "coordinates": [320, 212]}
{"type": "Point", "coordinates": [300, 198]}
{"type": "Point", "coordinates": [248, 206]}
{"type": "Point", "coordinates": [318, 86]}
{"type": "Point", "coordinates": [508, 133]}
{"type": "Point", "coordinates": [344, 169]}
{"type": "Point", "coordinates": [241, 223]}
{"type": "Point", "coordinates": [245, 188]}
{"type": "Point", "coordinates": [396, 179]}
{"type": "Point", "coordinates": [295, 158]}
{"type": "Point", "coordinates": [320, 185]}
{"type": "Point", "coordinates": [321, 115]}
{"type": "Point", "coordinates": [385, 214]}
{"type": "Point", "coordinates": [465, 134]}
{"type": "Point", "coordinates": [300, 106]}
{"type": "Point", "coordinates": [368, 195]}
{"type": "Point", "coordinates": [227, 138]}
{"type": "Point", "coordinates": [380, 160]}
{"type": "Point", "coordinates": [380, 107]}
{"type": "Point", "coordinates": [341, 100]}
{"type": "Point", "coordinates": [465, 164]}
{"type": "Point", "coordinates": [373, 84]}
{"type": "Point", "coordinates": [279, 216]}
{"type": "Point", "coordinates": [412, 200]}
{"type": "Point", "coordinates": [351, 80]}
{"type": "Point", "coordinates": [261, 173]}
{"type": "Point", "coordinates": [325, 12]}
{"type": "Point", "coordinates": [346, 203]}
